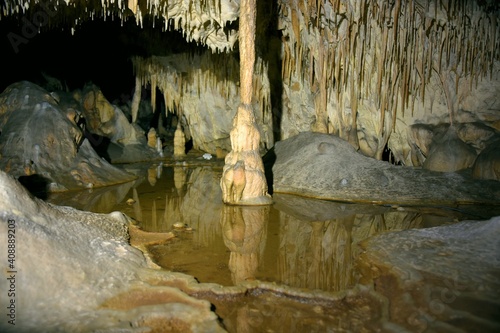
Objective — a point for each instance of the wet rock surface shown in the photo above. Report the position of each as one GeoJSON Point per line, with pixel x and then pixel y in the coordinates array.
{"type": "Point", "coordinates": [326, 167]}
{"type": "Point", "coordinates": [41, 140]}
{"type": "Point", "coordinates": [442, 279]}
{"type": "Point", "coordinates": [71, 267]}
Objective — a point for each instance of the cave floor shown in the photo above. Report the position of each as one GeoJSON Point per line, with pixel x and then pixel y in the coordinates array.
{"type": "Point", "coordinates": [310, 246]}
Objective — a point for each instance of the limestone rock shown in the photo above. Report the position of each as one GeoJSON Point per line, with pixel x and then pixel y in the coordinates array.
{"type": "Point", "coordinates": [420, 139]}
{"type": "Point", "coordinates": [327, 167]}
{"type": "Point", "coordinates": [152, 137]}
{"type": "Point", "coordinates": [39, 137]}
{"type": "Point", "coordinates": [487, 165]}
{"type": "Point", "coordinates": [107, 120]}
{"type": "Point", "coordinates": [76, 272]}
{"type": "Point", "coordinates": [117, 139]}
{"type": "Point", "coordinates": [179, 142]}
{"type": "Point", "coordinates": [475, 134]}
{"type": "Point", "coordinates": [243, 179]}
{"type": "Point", "coordinates": [448, 153]}
{"type": "Point", "coordinates": [205, 87]}
{"type": "Point", "coordinates": [434, 276]}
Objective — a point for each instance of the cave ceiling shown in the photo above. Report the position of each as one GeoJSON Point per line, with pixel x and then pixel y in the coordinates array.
{"type": "Point", "coordinates": [363, 70]}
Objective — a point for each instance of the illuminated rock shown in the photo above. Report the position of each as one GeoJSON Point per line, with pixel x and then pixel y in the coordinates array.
{"type": "Point", "coordinates": [326, 167]}
{"type": "Point", "coordinates": [39, 137]}
{"type": "Point", "coordinates": [243, 181]}
{"type": "Point", "coordinates": [487, 164]}
{"type": "Point", "coordinates": [448, 153]}
{"type": "Point", "coordinates": [76, 269]}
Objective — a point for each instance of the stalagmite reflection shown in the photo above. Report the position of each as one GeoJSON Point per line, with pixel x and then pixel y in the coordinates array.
{"type": "Point", "coordinates": [137, 205]}
{"type": "Point", "coordinates": [299, 242]}
{"type": "Point", "coordinates": [180, 179]}
{"type": "Point", "coordinates": [244, 231]}
{"type": "Point", "coordinates": [152, 176]}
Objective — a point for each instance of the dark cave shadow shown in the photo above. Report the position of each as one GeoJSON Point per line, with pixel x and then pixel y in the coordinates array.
{"type": "Point", "coordinates": [100, 145]}
{"type": "Point", "coordinates": [269, 159]}
{"type": "Point", "coordinates": [37, 185]}
{"type": "Point", "coordinates": [269, 43]}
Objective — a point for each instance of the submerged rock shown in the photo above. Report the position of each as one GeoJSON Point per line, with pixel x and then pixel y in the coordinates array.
{"type": "Point", "coordinates": [40, 138]}
{"type": "Point", "coordinates": [327, 167]}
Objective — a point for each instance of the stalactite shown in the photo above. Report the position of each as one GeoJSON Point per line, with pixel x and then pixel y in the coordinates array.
{"type": "Point", "coordinates": [153, 93]}
{"type": "Point", "coordinates": [136, 99]}
{"type": "Point", "coordinates": [493, 42]}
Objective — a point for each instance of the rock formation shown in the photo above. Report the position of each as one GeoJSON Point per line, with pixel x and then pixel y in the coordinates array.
{"type": "Point", "coordinates": [74, 271]}
{"type": "Point", "coordinates": [203, 90]}
{"type": "Point", "coordinates": [337, 57]}
{"type": "Point", "coordinates": [243, 180]}
{"type": "Point", "coordinates": [326, 167]}
{"type": "Point", "coordinates": [40, 137]}
{"type": "Point", "coordinates": [430, 279]}
{"type": "Point", "coordinates": [366, 71]}
{"type": "Point", "coordinates": [487, 164]}
{"type": "Point", "coordinates": [128, 142]}
{"type": "Point", "coordinates": [179, 141]}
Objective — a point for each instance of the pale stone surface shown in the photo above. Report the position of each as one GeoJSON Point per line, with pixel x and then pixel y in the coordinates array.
{"type": "Point", "coordinates": [206, 88]}
{"type": "Point", "coordinates": [243, 180]}
{"type": "Point", "coordinates": [179, 142]}
{"type": "Point", "coordinates": [39, 137]}
{"type": "Point", "coordinates": [201, 22]}
{"type": "Point", "coordinates": [152, 137]}
{"type": "Point", "coordinates": [487, 165]}
{"type": "Point", "coordinates": [128, 141]}
{"type": "Point", "coordinates": [340, 71]}
{"type": "Point", "coordinates": [448, 153]}
{"type": "Point", "coordinates": [74, 270]}
{"type": "Point", "coordinates": [438, 279]}
{"type": "Point", "coordinates": [356, 49]}
{"type": "Point", "coordinates": [327, 167]}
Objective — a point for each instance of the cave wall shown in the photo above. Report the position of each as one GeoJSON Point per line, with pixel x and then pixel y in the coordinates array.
{"type": "Point", "coordinates": [203, 91]}
{"type": "Point", "coordinates": [368, 70]}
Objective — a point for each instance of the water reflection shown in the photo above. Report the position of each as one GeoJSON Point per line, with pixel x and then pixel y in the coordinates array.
{"type": "Point", "coordinates": [244, 231]}
{"type": "Point", "coordinates": [299, 242]}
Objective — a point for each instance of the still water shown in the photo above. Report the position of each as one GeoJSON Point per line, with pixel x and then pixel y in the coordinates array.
{"type": "Point", "coordinates": [297, 242]}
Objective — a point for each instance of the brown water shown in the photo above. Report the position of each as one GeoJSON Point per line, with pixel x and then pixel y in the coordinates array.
{"type": "Point", "coordinates": [297, 242]}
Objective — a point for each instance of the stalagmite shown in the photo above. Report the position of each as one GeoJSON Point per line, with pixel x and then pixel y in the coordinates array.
{"type": "Point", "coordinates": [243, 181]}
{"type": "Point", "coordinates": [179, 141]}
{"type": "Point", "coordinates": [152, 137]}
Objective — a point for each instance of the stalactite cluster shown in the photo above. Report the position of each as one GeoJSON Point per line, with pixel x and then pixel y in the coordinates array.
{"type": "Point", "coordinates": [184, 77]}
{"type": "Point", "coordinates": [379, 55]}
{"type": "Point", "coordinates": [202, 21]}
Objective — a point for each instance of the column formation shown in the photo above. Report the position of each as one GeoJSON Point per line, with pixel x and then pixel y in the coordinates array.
{"type": "Point", "coordinates": [243, 180]}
